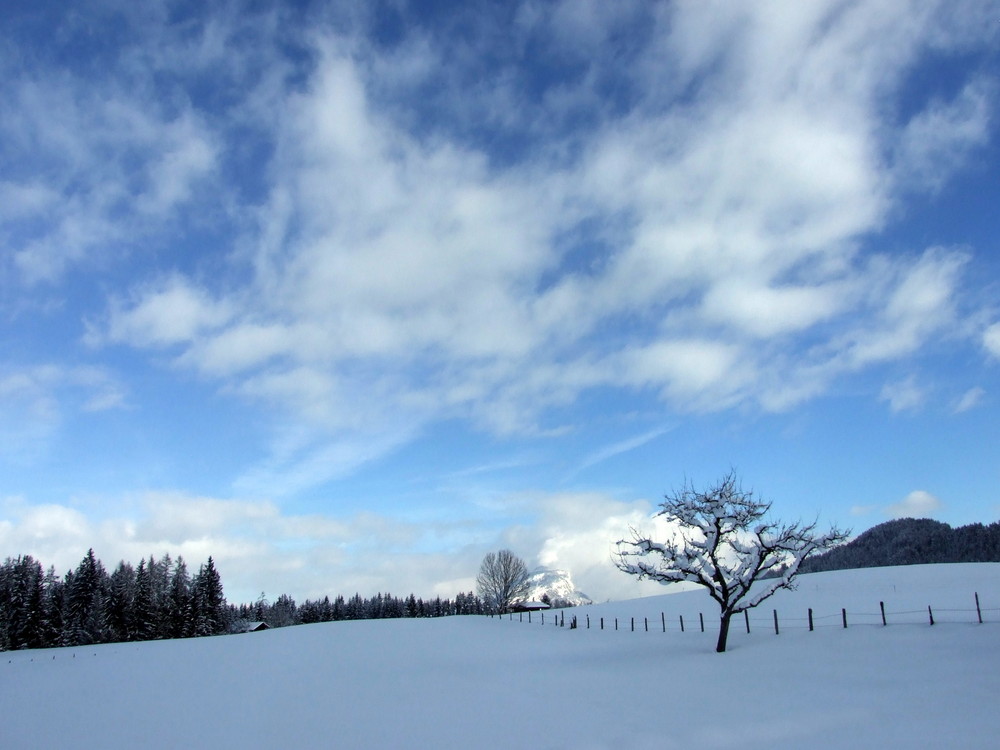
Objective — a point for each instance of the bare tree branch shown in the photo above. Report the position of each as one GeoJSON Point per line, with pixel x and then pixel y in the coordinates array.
{"type": "Point", "coordinates": [502, 580]}
{"type": "Point", "coordinates": [724, 542]}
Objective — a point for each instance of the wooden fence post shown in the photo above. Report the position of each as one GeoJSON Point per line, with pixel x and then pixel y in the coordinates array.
{"type": "Point", "coordinates": [979, 612]}
{"type": "Point", "coordinates": [881, 606]}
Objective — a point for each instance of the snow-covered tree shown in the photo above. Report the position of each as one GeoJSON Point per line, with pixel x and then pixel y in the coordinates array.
{"type": "Point", "coordinates": [179, 608]}
{"type": "Point", "coordinates": [87, 586]}
{"type": "Point", "coordinates": [119, 608]}
{"type": "Point", "coordinates": [502, 580]}
{"type": "Point", "coordinates": [143, 614]}
{"type": "Point", "coordinates": [22, 616]}
{"type": "Point", "coordinates": [208, 601]}
{"type": "Point", "coordinates": [722, 540]}
{"type": "Point", "coordinates": [282, 613]}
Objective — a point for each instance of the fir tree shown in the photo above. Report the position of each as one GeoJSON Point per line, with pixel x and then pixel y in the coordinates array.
{"type": "Point", "coordinates": [85, 621]}
{"type": "Point", "coordinates": [209, 601]}
{"type": "Point", "coordinates": [120, 602]}
{"type": "Point", "coordinates": [142, 615]}
{"type": "Point", "coordinates": [179, 606]}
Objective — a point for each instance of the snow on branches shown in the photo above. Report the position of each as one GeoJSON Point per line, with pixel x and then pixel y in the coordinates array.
{"type": "Point", "coordinates": [723, 540]}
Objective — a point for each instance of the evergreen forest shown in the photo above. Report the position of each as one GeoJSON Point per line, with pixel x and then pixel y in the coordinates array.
{"type": "Point", "coordinates": [161, 599]}
{"type": "Point", "coordinates": [912, 541]}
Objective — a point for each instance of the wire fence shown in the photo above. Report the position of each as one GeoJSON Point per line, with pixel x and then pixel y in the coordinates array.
{"type": "Point", "coordinates": [762, 619]}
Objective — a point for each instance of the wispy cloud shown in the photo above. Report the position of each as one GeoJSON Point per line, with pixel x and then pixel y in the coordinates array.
{"type": "Point", "coordinates": [991, 340]}
{"type": "Point", "coordinates": [620, 447]}
{"type": "Point", "coordinates": [35, 400]}
{"type": "Point", "coordinates": [971, 399]}
{"type": "Point", "coordinates": [421, 258]}
{"type": "Point", "coordinates": [500, 217]}
{"type": "Point", "coordinates": [904, 395]}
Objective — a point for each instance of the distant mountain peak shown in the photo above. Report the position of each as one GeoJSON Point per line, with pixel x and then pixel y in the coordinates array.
{"type": "Point", "coordinates": [558, 585]}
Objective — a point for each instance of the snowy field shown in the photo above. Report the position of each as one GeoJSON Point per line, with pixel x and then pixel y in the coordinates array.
{"type": "Point", "coordinates": [464, 682]}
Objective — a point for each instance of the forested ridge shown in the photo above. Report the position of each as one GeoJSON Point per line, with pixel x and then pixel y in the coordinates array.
{"type": "Point", "coordinates": [912, 541]}
{"type": "Point", "coordinates": [161, 599]}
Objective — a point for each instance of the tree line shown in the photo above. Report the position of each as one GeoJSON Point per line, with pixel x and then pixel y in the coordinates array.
{"type": "Point", "coordinates": [912, 541]}
{"type": "Point", "coordinates": [284, 611]}
{"type": "Point", "coordinates": [159, 598]}
{"type": "Point", "coordinates": [156, 599]}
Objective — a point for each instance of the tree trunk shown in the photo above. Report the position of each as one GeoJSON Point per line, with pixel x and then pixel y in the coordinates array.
{"type": "Point", "coordinates": [723, 632]}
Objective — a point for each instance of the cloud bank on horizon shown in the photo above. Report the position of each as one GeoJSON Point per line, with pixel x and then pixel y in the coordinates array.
{"type": "Point", "coordinates": [347, 297]}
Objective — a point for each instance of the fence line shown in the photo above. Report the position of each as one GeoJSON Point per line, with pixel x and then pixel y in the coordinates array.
{"type": "Point", "coordinates": [779, 622]}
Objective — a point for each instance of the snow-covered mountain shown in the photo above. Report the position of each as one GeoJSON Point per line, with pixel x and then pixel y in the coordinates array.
{"type": "Point", "coordinates": [558, 585]}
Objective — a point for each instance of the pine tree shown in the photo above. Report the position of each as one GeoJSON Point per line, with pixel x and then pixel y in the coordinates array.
{"type": "Point", "coordinates": [120, 603]}
{"type": "Point", "coordinates": [85, 622]}
{"type": "Point", "coordinates": [23, 603]}
{"type": "Point", "coordinates": [160, 580]}
{"type": "Point", "coordinates": [54, 606]}
{"type": "Point", "coordinates": [283, 613]}
{"type": "Point", "coordinates": [179, 607]}
{"type": "Point", "coordinates": [339, 608]}
{"type": "Point", "coordinates": [210, 603]}
{"type": "Point", "coordinates": [141, 618]}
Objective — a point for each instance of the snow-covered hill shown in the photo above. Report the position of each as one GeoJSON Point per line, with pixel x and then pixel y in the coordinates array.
{"type": "Point", "coordinates": [463, 682]}
{"type": "Point", "coordinates": [558, 586]}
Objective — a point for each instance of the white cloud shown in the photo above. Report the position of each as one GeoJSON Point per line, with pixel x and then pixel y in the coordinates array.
{"type": "Point", "coordinates": [991, 340]}
{"type": "Point", "coordinates": [704, 238]}
{"type": "Point", "coordinates": [919, 300]}
{"type": "Point", "coordinates": [970, 400]}
{"type": "Point", "coordinates": [904, 395]}
{"type": "Point", "coordinates": [253, 543]}
{"type": "Point", "coordinates": [258, 546]}
{"type": "Point", "coordinates": [943, 135]}
{"type": "Point", "coordinates": [173, 311]}
{"type": "Point", "coordinates": [765, 311]}
{"type": "Point", "coordinates": [703, 372]}
{"type": "Point", "coordinates": [578, 532]}
{"type": "Point", "coordinates": [117, 164]}
{"type": "Point", "coordinates": [918, 504]}
{"type": "Point", "coordinates": [903, 305]}
{"type": "Point", "coordinates": [35, 400]}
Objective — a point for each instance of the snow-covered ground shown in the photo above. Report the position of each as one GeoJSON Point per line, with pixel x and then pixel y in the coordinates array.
{"type": "Point", "coordinates": [464, 682]}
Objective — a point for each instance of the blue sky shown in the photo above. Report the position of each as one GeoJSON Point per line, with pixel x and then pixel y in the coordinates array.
{"type": "Point", "coordinates": [349, 297]}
